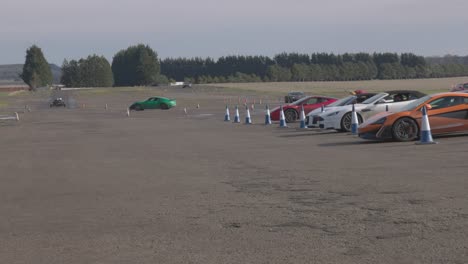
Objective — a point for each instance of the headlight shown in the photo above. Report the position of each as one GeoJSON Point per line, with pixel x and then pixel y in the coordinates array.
{"type": "Point", "coordinates": [332, 114]}
{"type": "Point", "coordinates": [380, 121]}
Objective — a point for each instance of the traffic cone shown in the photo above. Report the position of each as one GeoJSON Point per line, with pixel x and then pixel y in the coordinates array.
{"type": "Point", "coordinates": [185, 110]}
{"type": "Point", "coordinates": [236, 117]}
{"type": "Point", "coordinates": [226, 116]}
{"type": "Point", "coordinates": [248, 120]}
{"type": "Point", "coordinates": [426, 135]}
{"type": "Point", "coordinates": [198, 106]}
{"type": "Point", "coordinates": [128, 112]}
{"type": "Point", "coordinates": [267, 116]}
{"type": "Point", "coordinates": [105, 107]}
{"type": "Point", "coordinates": [322, 109]}
{"type": "Point", "coordinates": [17, 116]}
{"type": "Point", "coordinates": [354, 122]}
{"type": "Point", "coordinates": [303, 124]}
{"type": "Point", "coordinates": [282, 118]}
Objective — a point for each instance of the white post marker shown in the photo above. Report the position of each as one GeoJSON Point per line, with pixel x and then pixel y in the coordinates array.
{"type": "Point", "coordinates": [226, 116]}
{"type": "Point", "coordinates": [267, 116]}
{"type": "Point", "coordinates": [248, 120]}
{"type": "Point", "coordinates": [303, 124]}
{"type": "Point", "coordinates": [282, 118]}
{"type": "Point", "coordinates": [426, 135]}
{"type": "Point", "coordinates": [237, 117]}
{"type": "Point", "coordinates": [354, 122]}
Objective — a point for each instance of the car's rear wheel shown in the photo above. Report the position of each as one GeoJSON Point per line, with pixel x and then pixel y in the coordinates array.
{"type": "Point", "coordinates": [405, 129]}
{"type": "Point", "coordinates": [164, 106]}
{"type": "Point", "coordinates": [346, 121]}
{"type": "Point", "coordinates": [290, 115]}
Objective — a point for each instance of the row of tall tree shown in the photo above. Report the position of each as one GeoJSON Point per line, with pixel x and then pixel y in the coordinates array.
{"type": "Point", "coordinates": [94, 71]}
{"type": "Point", "coordinates": [139, 65]}
{"type": "Point", "coordinates": [302, 67]}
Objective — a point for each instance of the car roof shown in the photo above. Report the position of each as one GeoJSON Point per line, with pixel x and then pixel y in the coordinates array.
{"type": "Point", "coordinates": [406, 91]}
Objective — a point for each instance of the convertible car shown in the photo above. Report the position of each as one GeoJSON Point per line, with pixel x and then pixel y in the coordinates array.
{"type": "Point", "coordinates": [153, 103]}
{"type": "Point", "coordinates": [291, 111]}
{"type": "Point", "coordinates": [340, 118]}
{"type": "Point", "coordinates": [447, 113]}
{"type": "Point", "coordinates": [312, 117]}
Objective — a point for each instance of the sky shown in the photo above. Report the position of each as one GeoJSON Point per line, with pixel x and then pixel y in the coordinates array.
{"type": "Point", "coordinates": [66, 29]}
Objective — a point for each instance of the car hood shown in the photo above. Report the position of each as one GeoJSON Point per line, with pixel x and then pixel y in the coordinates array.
{"type": "Point", "coordinates": [318, 111]}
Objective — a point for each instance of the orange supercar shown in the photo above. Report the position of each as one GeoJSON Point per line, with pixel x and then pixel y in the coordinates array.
{"type": "Point", "coordinates": [447, 113]}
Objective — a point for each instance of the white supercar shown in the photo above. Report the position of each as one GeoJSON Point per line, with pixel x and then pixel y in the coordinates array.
{"type": "Point", "coordinates": [339, 118]}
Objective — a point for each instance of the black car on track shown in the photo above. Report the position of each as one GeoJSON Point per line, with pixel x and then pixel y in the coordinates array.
{"type": "Point", "coordinates": [57, 102]}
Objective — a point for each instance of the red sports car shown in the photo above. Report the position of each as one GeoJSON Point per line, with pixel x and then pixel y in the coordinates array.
{"type": "Point", "coordinates": [292, 111]}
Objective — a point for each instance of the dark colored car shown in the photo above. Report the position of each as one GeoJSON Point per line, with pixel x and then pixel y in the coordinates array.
{"type": "Point", "coordinates": [293, 96]}
{"type": "Point", "coordinates": [58, 102]}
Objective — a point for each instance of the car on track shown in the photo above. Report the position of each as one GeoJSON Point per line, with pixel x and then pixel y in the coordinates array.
{"type": "Point", "coordinates": [312, 117]}
{"type": "Point", "coordinates": [292, 111]}
{"type": "Point", "coordinates": [293, 96]}
{"type": "Point", "coordinates": [460, 87]}
{"type": "Point", "coordinates": [447, 113]}
{"type": "Point", "coordinates": [340, 118]}
{"type": "Point", "coordinates": [153, 103]}
{"type": "Point", "coordinates": [58, 102]}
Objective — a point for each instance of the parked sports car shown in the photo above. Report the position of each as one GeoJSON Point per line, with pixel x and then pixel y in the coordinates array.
{"type": "Point", "coordinates": [340, 118]}
{"type": "Point", "coordinates": [58, 102]}
{"type": "Point", "coordinates": [312, 117]}
{"type": "Point", "coordinates": [153, 103]}
{"type": "Point", "coordinates": [293, 96]}
{"type": "Point", "coordinates": [460, 87]}
{"type": "Point", "coordinates": [292, 111]}
{"type": "Point", "coordinates": [447, 113]}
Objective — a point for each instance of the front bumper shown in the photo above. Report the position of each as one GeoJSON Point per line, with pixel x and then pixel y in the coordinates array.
{"type": "Point", "coordinates": [381, 133]}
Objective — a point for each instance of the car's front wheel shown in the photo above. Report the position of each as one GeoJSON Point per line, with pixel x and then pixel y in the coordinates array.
{"type": "Point", "coordinates": [346, 121]}
{"type": "Point", "coordinates": [138, 108]}
{"type": "Point", "coordinates": [290, 115]}
{"type": "Point", "coordinates": [405, 129]}
{"type": "Point", "coordinates": [164, 106]}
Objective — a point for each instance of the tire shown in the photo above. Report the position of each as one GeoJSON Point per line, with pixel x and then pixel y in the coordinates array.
{"type": "Point", "coordinates": [164, 106]}
{"type": "Point", "coordinates": [405, 129]}
{"type": "Point", "coordinates": [290, 115]}
{"type": "Point", "coordinates": [138, 108]}
{"type": "Point", "coordinates": [346, 120]}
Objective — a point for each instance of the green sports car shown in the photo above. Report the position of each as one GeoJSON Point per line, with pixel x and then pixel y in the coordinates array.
{"type": "Point", "coordinates": [153, 103]}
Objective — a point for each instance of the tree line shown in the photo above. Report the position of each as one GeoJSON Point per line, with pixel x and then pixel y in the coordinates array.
{"type": "Point", "coordinates": [139, 65]}
{"type": "Point", "coordinates": [304, 67]}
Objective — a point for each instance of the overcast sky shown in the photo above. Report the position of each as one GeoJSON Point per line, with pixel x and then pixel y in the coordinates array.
{"type": "Point", "coordinates": [67, 29]}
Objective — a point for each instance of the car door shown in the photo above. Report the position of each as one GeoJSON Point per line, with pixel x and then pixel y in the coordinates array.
{"type": "Point", "coordinates": [448, 114]}
{"type": "Point", "coordinates": [311, 104]}
{"type": "Point", "coordinates": [153, 103]}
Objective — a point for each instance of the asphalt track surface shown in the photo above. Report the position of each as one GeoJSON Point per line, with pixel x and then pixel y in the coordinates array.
{"type": "Point", "coordinates": [90, 185]}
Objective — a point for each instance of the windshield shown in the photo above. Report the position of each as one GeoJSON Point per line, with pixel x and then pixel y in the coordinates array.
{"type": "Point", "coordinates": [301, 101]}
{"type": "Point", "coordinates": [342, 101]}
{"type": "Point", "coordinates": [415, 103]}
{"type": "Point", "coordinates": [374, 98]}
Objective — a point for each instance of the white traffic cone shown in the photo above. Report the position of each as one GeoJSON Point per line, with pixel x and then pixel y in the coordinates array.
{"type": "Point", "coordinates": [267, 116]}
{"type": "Point", "coordinates": [198, 106]}
{"type": "Point", "coordinates": [17, 116]}
{"type": "Point", "coordinates": [226, 116]}
{"type": "Point", "coordinates": [303, 124]}
{"type": "Point", "coordinates": [426, 135]}
{"type": "Point", "coordinates": [282, 118]}
{"type": "Point", "coordinates": [105, 107]}
{"type": "Point", "coordinates": [128, 112]}
{"type": "Point", "coordinates": [248, 120]}
{"type": "Point", "coordinates": [236, 117]}
{"type": "Point", "coordinates": [354, 122]}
